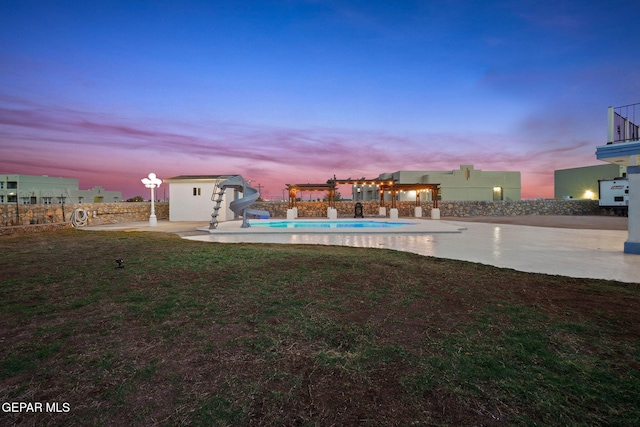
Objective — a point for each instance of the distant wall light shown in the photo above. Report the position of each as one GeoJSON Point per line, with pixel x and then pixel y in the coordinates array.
{"type": "Point", "coordinates": [588, 194]}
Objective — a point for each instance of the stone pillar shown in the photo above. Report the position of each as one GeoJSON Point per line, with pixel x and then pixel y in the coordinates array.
{"type": "Point", "coordinates": [393, 213]}
{"type": "Point", "coordinates": [382, 211]}
{"type": "Point", "coordinates": [332, 213]}
{"type": "Point", "coordinates": [632, 245]}
{"type": "Point", "coordinates": [418, 211]}
{"type": "Point", "coordinates": [435, 213]}
{"type": "Point", "coordinates": [291, 215]}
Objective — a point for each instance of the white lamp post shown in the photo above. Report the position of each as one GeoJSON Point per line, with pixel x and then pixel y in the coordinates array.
{"type": "Point", "coordinates": [152, 182]}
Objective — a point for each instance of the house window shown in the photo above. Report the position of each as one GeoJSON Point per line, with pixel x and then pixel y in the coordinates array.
{"type": "Point", "coordinates": [197, 191]}
{"type": "Point", "coordinates": [12, 184]}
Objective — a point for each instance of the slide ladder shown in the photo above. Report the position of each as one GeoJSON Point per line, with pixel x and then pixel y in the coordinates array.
{"type": "Point", "coordinates": [239, 206]}
{"type": "Point", "coordinates": [216, 197]}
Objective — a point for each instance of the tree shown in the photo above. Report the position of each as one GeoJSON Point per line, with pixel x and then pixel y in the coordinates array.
{"type": "Point", "coordinates": [336, 197]}
{"type": "Point", "coordinates": [136, 199]}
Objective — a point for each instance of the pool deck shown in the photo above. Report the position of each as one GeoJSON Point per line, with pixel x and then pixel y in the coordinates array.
{"type": "Point", "coordinates": [577, 251]}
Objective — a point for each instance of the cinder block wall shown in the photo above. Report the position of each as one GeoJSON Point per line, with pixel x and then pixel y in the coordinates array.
{"type": "Point", "coordinates": [98, 213]}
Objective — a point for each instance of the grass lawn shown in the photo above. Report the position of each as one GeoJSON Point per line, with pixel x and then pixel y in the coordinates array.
{"type": "Point", "coordinates": [203, 334]}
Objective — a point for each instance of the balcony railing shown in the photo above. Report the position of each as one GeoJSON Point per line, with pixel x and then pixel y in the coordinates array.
{"type": "Point", "coordinates": [623, 125]}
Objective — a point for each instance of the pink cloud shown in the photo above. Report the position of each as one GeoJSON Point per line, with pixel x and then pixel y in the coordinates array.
{"type": "Point", "coordinates": [115, 153]}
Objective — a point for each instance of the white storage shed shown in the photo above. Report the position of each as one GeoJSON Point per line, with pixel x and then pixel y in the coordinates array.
{"type": "Point", "coordinates": [190, 198]}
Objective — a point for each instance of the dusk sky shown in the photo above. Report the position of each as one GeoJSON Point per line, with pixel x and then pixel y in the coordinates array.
{"type": "Point", "coordinates": [296, 91]}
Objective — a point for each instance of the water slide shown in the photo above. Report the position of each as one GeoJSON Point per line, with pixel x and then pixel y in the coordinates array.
{"type": "Point", "coordinates": [249, 196]}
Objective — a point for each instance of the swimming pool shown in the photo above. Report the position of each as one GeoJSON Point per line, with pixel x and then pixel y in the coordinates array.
{"type": "Point", "coordinates": [329, 224]}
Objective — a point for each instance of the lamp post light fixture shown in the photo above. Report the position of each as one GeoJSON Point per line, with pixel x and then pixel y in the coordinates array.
{"type": "Point", "coordinates": [152, 182]}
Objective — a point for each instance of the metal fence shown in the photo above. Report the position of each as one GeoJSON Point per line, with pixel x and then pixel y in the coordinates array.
{"type": "Point", "coordinates": [625, 123]}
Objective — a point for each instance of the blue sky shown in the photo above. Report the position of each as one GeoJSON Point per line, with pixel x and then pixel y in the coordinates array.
{"type": "Point", "coordinates": [299, 91]}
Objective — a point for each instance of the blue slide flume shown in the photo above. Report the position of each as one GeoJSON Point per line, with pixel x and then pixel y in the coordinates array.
{"type": "Point", "coordinates": [239, 206]}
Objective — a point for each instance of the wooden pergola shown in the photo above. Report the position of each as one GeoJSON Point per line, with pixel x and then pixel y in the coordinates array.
{"type": "Point", "coordinates": [394, 189]}
{"type": "Point", "coordinates": [384, 186]}
{"type": "Point", "coordinates": [294, 189]}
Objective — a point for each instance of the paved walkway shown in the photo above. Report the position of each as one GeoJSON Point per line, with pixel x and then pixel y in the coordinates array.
{"type": "Point", "coordinates": [574, 252]}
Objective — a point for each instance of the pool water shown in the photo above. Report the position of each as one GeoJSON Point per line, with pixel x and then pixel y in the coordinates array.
{"type": "Point", "coordinates": [329, 224]}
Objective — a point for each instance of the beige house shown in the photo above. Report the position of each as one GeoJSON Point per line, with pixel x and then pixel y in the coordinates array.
{"type": "Point", "coordinates": [466, 183]}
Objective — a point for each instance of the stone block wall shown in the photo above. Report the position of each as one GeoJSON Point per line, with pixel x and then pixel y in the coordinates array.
{"type": "Point", "coordinates": [447, 208]}
{"type": "Point", "coordinates": [41, 217]}
{"type": "Point", "coordinates": [97, 213]}
{"type": "Point", "coordinates": [519, 207]}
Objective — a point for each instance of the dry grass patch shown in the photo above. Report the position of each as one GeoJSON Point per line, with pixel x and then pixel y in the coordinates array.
{"type": "Point", "coordinates": [192, 333]}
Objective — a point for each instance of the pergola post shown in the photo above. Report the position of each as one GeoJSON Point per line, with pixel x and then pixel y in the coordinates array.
{"type": "Point", "coordinates": [435, 196]}
{"type": "Point", "coordinates": [292, 197]}
{"type": "Point", "coordinates": [332, 195]}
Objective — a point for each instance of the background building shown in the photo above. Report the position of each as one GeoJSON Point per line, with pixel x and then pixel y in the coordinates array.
{"type": "Point", "coordinates": [582, 183]}
{"type": "Point", "coordinates": [43, 189]}
{"type": "Point", "coordinates": [466, 183]}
